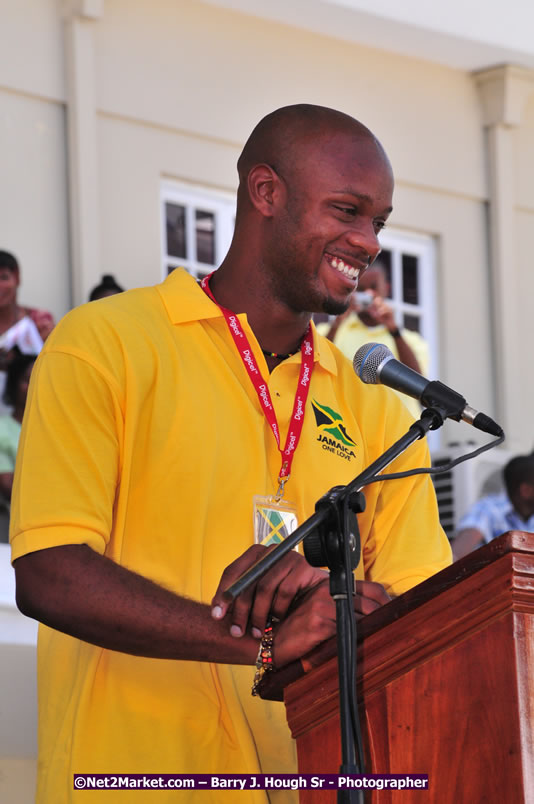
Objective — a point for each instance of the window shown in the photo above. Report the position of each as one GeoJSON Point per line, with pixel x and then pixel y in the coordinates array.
{"type": "Point", "coordinates": [409, 262]}
{"type": "Point", "coordinates": [197, 228]}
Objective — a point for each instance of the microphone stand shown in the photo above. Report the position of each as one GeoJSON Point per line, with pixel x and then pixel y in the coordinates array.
{"type": "Point", "coordinates": [333, 539]}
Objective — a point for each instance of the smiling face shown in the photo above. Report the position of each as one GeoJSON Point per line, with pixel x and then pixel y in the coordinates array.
{"type": "Point", "coordinates": [338, 196]}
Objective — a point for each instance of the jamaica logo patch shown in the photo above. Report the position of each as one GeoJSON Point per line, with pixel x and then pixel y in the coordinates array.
{"type": "Point", "coordinates": [331, 422]}
{"type": "Point", "coordinates": [332, 431]}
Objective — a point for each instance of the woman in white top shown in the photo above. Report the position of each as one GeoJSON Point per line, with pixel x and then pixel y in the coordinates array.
{"type": "Point", "coordinates": [24, 327]}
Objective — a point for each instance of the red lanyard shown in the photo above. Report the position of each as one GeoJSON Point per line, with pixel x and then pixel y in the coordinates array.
{"type": "Point", "coordinates": [299, 406]}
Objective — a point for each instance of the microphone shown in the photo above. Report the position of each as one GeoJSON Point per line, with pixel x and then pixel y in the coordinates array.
{"type": "Point", "coordinates": [374, 364]}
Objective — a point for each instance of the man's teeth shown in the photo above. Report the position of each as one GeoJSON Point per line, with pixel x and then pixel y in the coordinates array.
{"type": "Point", "coordinates": [348, 270]}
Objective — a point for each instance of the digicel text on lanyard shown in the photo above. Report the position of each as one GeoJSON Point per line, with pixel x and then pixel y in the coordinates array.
{"type": "Point", "coordinates": [249, 361]}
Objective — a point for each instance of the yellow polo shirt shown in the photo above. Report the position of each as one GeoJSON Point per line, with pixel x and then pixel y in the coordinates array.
{"type": "Point", "coordinates": [144, 439]}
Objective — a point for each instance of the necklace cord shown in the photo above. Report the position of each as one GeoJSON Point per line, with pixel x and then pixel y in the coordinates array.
{"type": "Point", "coordinates": [280, 356]}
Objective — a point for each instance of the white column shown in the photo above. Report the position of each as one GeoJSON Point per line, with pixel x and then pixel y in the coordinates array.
{"type": "Point", "coordinates": [503, 93]}
{"type": "Point", "coordinates": [80, 16]}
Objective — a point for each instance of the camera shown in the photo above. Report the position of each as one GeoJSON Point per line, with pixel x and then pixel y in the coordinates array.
{"type": "Point", "coordinates": [363, 299]}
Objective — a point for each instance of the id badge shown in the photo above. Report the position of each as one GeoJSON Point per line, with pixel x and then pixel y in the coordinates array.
{"type": "Point", "coordinates": [274, 520]}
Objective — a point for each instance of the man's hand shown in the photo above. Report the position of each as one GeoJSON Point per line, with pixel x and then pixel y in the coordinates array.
{"type": "Point", "coordinates": [272, 594]}
{"type": "Point", "coordinates": [313, 619]}
{"type": "Point", "coordinates": [369, 596]}
{"type": "Point", "coordinates": [284, 591]}
{"type": "Point", "coordinates": [380, 312]}
{"type": "Point", "coordinates": [311, 622]}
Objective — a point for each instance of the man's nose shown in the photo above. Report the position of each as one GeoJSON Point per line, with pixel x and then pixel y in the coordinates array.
{"type": "Point", "coordinates": [366, 238]}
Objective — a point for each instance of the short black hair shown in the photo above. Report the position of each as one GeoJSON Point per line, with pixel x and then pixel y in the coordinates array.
{"type": "Point", "coordinates": [9, 261]}
{"type": "Point", "coordinates": [519, 470]}
{"type": "Point", "coordinates": [108, 283]}
{"type": "Point", "coordinates": [15, 370]}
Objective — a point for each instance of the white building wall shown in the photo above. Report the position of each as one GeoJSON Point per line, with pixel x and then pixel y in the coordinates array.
{"type": "Point", "coordinates": [134, 158]}
{"type": "Point", "coordinates": [524, 237]}
{"type": "Point", "coordinates": [468, 34]}
{"type": "Point", "coordinates": [214, 73]}
{"type": "Point", "coordinates": [33, 203]}
{"type": "Point", "coordinates": [31, 52]}
{"type": "Point", "coordinates": [33, 199]}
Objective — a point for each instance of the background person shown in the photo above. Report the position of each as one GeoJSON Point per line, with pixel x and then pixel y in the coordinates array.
{"type": "Point", "coordinates": [12, 313]}
{"type": "Point", "coordinates": [495, 514]}
{"type": "Point", "coordinates": [107, 287]}
{"type": "Point", "coordinates": [15, 393]}
{"type": "Point", "coordinates": [24, 327]}
{"type": "Point", "coordinates": [158, 424]}
{"type": "Point", "coordinates": [376, 323]}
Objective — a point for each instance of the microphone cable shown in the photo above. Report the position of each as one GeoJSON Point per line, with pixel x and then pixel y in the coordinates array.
{"type": "Point", "coordinates": [437, 470]}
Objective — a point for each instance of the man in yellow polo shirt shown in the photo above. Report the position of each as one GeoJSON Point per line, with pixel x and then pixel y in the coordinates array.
{"type": "Point", "coordinates": [162, 415]}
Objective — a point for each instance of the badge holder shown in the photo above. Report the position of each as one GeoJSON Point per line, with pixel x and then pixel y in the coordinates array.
{"type": "Point", "coordinates": [274, 517]}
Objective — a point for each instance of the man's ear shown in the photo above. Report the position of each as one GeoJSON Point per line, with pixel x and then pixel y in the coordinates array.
{"type": "Point", "coordinates": [265, 189]}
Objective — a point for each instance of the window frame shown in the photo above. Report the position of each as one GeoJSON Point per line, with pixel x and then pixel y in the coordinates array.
{"type": "Point", "coordinates": [192, 197]}
{"type": "Point", "coordinates": [423, 247]}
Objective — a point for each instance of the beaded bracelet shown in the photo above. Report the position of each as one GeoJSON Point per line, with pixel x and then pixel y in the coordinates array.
{"type": "Point", "coordinates": [264, 660]}
{"type": "Point", "coordinates": [395, 333]}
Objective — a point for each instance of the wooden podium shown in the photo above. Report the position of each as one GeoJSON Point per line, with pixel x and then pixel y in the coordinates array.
{"type": "Point", "coordinates": [445, 684]}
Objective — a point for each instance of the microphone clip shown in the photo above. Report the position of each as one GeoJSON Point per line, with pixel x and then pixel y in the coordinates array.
{"type": "Point", "coordinates": [442, 402]}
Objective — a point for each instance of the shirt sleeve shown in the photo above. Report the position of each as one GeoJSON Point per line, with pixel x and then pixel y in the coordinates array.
{"type": "Point", "coordinates": [74, 416]}
{"type": "Point", "coordinates": [405, 542]}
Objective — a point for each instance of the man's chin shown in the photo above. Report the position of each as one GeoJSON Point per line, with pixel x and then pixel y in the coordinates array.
{"type": "Point", "coordinates": [335, 306]}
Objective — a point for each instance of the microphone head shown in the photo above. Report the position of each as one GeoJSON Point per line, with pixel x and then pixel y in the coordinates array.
{"type": "Point", "coordinates": [368, 361]}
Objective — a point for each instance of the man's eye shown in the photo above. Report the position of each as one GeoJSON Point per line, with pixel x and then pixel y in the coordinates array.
{"type": "Point", "coordinates": [379, 225]}
{"type": "Point", "coordinates": [346, 210]}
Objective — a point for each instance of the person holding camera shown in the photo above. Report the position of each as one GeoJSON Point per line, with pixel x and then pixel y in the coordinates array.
{"type": "Point", "coordinates": [370, 318]}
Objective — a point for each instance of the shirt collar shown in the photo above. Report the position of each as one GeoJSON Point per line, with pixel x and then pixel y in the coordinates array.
{"type": "Point", "coordinates": [185, 301]}
{"type": "Point", "coordinates": [323, 352]}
